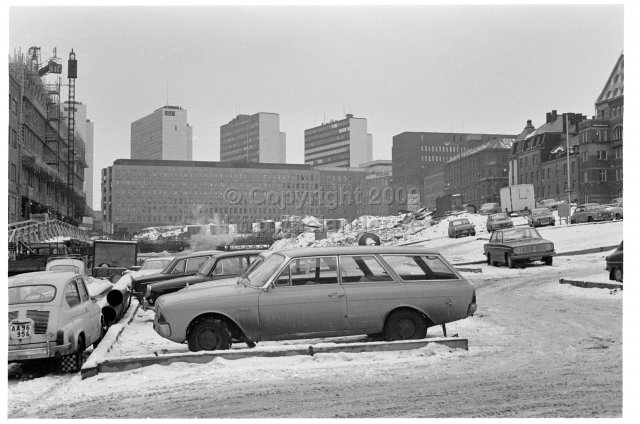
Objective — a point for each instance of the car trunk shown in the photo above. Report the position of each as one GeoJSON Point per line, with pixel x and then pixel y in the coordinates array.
{"type": "Point", "coordinates": [40, 327]}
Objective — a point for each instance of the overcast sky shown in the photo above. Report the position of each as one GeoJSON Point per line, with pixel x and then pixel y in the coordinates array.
{"type": "Point", "coordinates": [482, 69]}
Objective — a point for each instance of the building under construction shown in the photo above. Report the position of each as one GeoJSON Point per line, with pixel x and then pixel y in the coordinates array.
{"type": "Point", "coordinates": [46, 154]}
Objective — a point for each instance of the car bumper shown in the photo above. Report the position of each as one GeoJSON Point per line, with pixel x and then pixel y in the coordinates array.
{"type": "Point", "coordinates": [533, 256]}
{"type": "Point", "coordinates": [38, 351]}
{"type": "Point", "coordinates": [467, 232]}
{"type": "Point", "coordinates": [499, 226]}
{"type": "Point", "coordinates": [163, 329]}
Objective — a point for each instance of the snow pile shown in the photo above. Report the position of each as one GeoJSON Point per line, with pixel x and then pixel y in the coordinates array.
{"type": "Point", "coordinates": [154, 233]}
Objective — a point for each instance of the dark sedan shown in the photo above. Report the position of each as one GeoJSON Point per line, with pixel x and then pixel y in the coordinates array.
{"type": "Point", "coordinates": [181, 265]}
{"type": "Point", "coordinates": [540, 217]}
{"type": "Point", "coordinates": [223, 265]}
{"type": "Point", "coordinates": [615, 264]}
{"type": "Point", "coordinates": [518, 246]}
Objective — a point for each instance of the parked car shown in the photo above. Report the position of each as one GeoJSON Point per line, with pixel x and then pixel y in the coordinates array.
{"type": "Point", "coordinates": [181, 265]}
{"type": "Point", "coordinates": [72, 264]}
{"type": "Point", "coordinates": [460, 227]}
{"type": "Point", "coordinates": [489, 208]}
{"type": "Point", "coordinates": [615, 264]}
{"type": "Point", "coordinates": [615, 209]}
{"type": "Point", "coordinates": [541, 217]}
{"type": "Point", "coordinates": [550, 203]}
{"type": "Point", "coordinates": [51, 315]}
{"type": "Point", "coordinates": [497, 221]}
{"type": "Point", "coordinates": [518, 246]}
{"type": "Point", "coordinates": [151, 265]}
{"type": "Point", "coordinates": [320, 292]}
{"type": "Point", "coordinates": [224, 265]}
{"type": "Point", "coordinates": [589, 212]}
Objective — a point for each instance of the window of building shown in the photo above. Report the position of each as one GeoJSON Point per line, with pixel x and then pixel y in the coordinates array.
{"type": "Point", "coordinates": [13, 172]}
{"type": "Point", "coordinates": [603, 175]}
{"type": "Point", "coordinates": [602, 154]}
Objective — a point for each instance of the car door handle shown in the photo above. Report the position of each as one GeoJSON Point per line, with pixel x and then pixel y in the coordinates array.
{"type": "Point", "coordinates": [336, 295]}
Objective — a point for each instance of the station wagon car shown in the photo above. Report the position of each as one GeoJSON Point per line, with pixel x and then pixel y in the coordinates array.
{"type": "Point", "coordinates": [518, 246]}
{"type": "Point", "coordinates": [615, 264]}
{"type": "Point", "coordinates": [320, 292]}
{"type": "Point", "coordinates": [224, 265]}
{"type": "Point", "coordinates": [590, 212]}
{"type": "Point", "coordinates": [51, 315]}
{"type": "Point", "coordinates": [181, 265]}
{"type": "Point", "coordinates": [497, 221]}
{"type": "Point", "coordinates": [461, 227]}
{"type": "Point", "coordinates": [541, 217]}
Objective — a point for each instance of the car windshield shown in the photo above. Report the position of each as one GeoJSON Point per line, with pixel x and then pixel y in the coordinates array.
{"type": "Point", "coordinates": [540, 211]}
{"type": "Point", "coordinates": [499, 216]}
{"type": "Point", "coordinates": [262, 271]}
{"type": "Point", "coordinates": [460, 222]}
{"type": "Point", "coordinates": [520, 234]}
{"type": "Point", "coordinates": [155, 264]}
{"type": "Point", "coordinates": [31, 294]}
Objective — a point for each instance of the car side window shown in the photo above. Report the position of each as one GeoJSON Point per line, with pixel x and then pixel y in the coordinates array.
{"type": "Point", "coordinates": [314, 270]}
{"type": "Point", "coordinates": [71, 294]}
{"type": "Point", "coordinates": [179, 268]}
{"type": "Point", "coordinates": [228, 266]}
{"type": "Point", "coordinates": [284, 279]}
{"type": "Point", "coordinates": [428, 267]}
{"type": "Point", "coordinates": [194, 264]}
{"type": "Point", "coordinates": [84, 294]}
{"type": "Point", "coordinates": [362, 269]}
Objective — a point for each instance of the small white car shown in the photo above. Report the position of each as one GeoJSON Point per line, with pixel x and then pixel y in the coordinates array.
{"type": "Point", "coordinates": [66, 264]}
{"type": "Point", "coordinates": [52, 315]}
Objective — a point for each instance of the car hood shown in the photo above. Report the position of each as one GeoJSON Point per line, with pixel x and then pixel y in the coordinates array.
{"type": "Point", "coordinates": [141, 273]}
{"type": "Point", "coordinates": [210, 290]}
{"type": "Point", "coordinates": [180, 281]}
{"type": "Point", "coordinates": [527, 242]}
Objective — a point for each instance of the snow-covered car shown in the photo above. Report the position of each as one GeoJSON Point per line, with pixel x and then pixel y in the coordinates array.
{"type": "Point", "coordinates": [224, 265]}
{"type": "Point", "coordinates": [489, 208]}
{"type": "Point", "coordinates": [541, 217]}
{"type": "Point", "coordinates": [460, 227]}
{"type": "Point", "coordinates": [615, 264]}
{"type": "Point", "coordinates": [320, 292]}
{"type": "Point", "coordinates": [52, 315]}
{"type": "Point", "coordinates": [615, 209]}
{"type": "Point", "coordinates": [497, 221]}
{"type": "Point", "coordinates": [181, 265]}
{"type": "Point", "coordinates": [590, 212]}
{"type": "Point", "coordinates": [66, 264]}
{"type": "Point", "coordinates": [518, 246]}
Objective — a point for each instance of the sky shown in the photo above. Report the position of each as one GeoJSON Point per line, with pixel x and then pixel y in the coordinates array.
{"type": "Point", "coordinates": [476, 69]}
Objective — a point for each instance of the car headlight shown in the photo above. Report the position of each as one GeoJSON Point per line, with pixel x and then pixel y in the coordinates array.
{"type": "Point", "coordinates": [549, 246]}
{"type": "Point", "coordinates": [517, 250]}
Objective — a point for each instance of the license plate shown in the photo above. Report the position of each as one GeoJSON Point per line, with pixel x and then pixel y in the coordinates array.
{"type": "Point", "coordinates": [20, 330]}
{"type": "Point", "coordinates": [536, 258]}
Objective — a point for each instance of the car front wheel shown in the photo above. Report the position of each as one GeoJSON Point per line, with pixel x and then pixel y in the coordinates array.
{"type": "Point", "coordinates": [548, 260]}
{"type": "Point", "coordinates": [209, 333]}
{"type": "Point", "coordinates": [509, 261]}
{"type": "Point", "coordinates": [404, 325]}
{"type": "Point", "coordinates": [617, 274]}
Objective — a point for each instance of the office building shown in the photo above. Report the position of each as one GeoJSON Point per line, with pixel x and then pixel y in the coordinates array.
{"type": "Point", "coordinates": [143, 193]}
{"type": "Point", "coordinates": [253, 138]}
{"type": "Point", "coordinates": [162, 135]}
{"type": "Point", "coordinates": [344, 143]}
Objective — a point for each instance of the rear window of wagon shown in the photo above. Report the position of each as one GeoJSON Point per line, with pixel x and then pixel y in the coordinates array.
{"type": "Point", "coordinates": [420, 267]}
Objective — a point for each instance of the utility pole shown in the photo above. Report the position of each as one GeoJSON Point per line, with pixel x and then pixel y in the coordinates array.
{"type": "Point", "coordinates": [568, 162]}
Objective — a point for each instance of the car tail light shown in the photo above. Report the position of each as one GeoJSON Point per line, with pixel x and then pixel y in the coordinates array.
{"type": "Point", "coordinates": [60, 337]}
{"type": "Point", "coordinates": [161, 319]}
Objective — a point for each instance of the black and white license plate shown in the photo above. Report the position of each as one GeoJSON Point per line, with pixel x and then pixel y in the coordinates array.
{"type": "Point", "coordinates": [20, 329]}
{"type": "Point", "coordinates": [536, 258]}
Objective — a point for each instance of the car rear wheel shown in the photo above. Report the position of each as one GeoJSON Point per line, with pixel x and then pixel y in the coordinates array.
{"type": "Point", "coordinates": [617, 274]}
{"type": "Point", "coordinates": [548, 260]}
{"type": "Point", "coordinates": [404, 325]}
{"type": "Point", "coordinates": [509, 261]}
{"type": "Point", "coordinates": [590, 219]}
{"type": "Point", "coordinates": [618, 216]}
{"type": "Point", "coordinates": [73, 362]}
{"type": "Point", "coordinates": [209, 334]}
